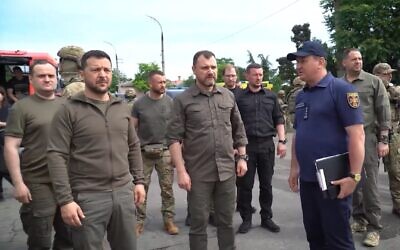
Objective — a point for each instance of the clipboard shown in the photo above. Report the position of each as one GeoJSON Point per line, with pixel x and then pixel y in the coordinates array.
{"type": "Point", "coordinates": [329, 169]}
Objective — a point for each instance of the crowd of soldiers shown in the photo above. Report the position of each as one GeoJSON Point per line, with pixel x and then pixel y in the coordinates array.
{"type": "Point", "coordinates": [83, 151]}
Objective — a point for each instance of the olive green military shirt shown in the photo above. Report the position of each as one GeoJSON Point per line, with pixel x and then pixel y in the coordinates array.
{"type": "Point", "coordinates": [153, 116]}
{"type": "Point", "coordinates": [29, 119]}
{"type": "Point", "coordinates": [374, 101]}
{"type": "Point", "coordinates": [209, 126]}
{"type": "Point", "coordinates": [394, 98]}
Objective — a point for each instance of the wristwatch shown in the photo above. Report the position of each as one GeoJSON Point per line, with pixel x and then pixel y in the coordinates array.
{"type": "Point", "coordinates": [284, 141]}
{"type": "Point", "coordinates": [243, 157]}
{"type": "Point", "coordinates": [355, 177]}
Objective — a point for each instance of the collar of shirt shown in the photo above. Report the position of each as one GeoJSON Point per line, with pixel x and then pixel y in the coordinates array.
{"type": "Point", "coordinates": [323, 83]}
{"type": "Point", "coordinates": [248, 91]}
{"type": "Point", "coordinates": [361, 76]}
{"type": "Point", "coordinates": [195, 90]}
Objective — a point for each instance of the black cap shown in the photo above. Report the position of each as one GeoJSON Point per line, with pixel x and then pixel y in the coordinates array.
{"type": "Point", "coordinates": [308, 48]}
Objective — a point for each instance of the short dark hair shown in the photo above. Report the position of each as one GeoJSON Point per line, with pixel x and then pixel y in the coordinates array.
{"type": "Point", "coordinates": [253, 66]}
{"type": "Point", "coordinates": [206, 53]}
{"type": "Point", "coordinates": [154, 72]}
{"type": "Point", "coordinates": [16, 68]}
{"type": "Point", "coordinates": [93, 53]}
{"type": "Point", "coordinates": [38, 62]}
{"type": "Point", "coordinates": [347, 51]}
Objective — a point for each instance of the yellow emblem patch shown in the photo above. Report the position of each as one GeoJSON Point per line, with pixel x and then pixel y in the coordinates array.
{"type": "Point", "coordinates": [353, 100]}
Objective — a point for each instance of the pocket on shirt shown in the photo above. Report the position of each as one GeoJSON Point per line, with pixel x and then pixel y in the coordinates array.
{"type": "Point", "coordinates": [225, 112]}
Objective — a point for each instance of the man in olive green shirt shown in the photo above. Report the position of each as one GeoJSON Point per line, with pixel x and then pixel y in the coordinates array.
{"type": "Point", "coordinates": [28, 126]}
{"type": "Point", "coordinates": [95, 162]}
{"type": "Point", "coordinates": [150, 115]}
{"type": "Point", "coordinates": [376, 110]}
{"type": "Point", "coordinates": [207, 122]}
{"type": "Point", "coordinates": [392, 160]}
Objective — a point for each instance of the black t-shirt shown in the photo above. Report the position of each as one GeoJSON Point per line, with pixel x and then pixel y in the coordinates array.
{"type": "Point", "coordinates": [20, 87]}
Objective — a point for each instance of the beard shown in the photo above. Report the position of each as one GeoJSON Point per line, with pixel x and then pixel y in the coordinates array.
{"type": "Point", "coordinates": [159, 91]}
{"type": "Point", "coordinates": [96, 89]}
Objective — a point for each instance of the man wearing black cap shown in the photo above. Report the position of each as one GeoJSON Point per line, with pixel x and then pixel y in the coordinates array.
{"type": "Point", "coordinates": [328, 121]}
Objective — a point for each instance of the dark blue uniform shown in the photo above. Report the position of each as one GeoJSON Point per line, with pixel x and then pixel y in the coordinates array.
{"type": "Point", "coordinates": [322, 113]}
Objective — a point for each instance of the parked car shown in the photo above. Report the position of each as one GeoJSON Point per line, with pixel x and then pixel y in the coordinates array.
{"type": "Point", "coordinates": [174, 92]}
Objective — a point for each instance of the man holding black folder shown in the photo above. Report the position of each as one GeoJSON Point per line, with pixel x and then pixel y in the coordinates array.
{"type": "Point", "coordinates": [328, 121]}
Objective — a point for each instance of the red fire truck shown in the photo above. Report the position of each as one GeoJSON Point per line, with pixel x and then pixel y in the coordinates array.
{"type": "Point", "coordinates": [9, 59]}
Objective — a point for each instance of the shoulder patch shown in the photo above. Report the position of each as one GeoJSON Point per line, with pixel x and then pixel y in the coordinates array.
{"type": "Point", "coordinates": [353, 100]}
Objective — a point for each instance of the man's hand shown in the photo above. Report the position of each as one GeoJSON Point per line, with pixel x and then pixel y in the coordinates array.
{"type": "Point", "coordinates": [281, 150]}
{"type": "Point", "coordinates": [294, 179]}
{"type": "Point", "coordinates": [139, 194]}
{"type": "Point", "coordinates": [383, 149]}
{"type": "Point", "coordinates": [347, 186]}
{"type": "Point", "coordinates": [184, 180]}
{"type": "Point", "coordinates": [22, 193]}
{"type": "Point", "coordinates": [72, 214]}
{"type": "Point", "coordinates": [241, 168]}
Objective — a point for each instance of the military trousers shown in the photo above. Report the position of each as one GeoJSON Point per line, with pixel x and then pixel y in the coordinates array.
{"type": "Point", "coordinates": [165, 173]}
{"type": "Point", "coordinates": [366, 204]}
{"type": "Point", "coordinates": [40, 216]}
{"type": "Point", "coordinates": [109, 211]}
{"type": "Point", "coordinates": [392, 165]}
{"type": "Point", "coordinates": [222, 193]}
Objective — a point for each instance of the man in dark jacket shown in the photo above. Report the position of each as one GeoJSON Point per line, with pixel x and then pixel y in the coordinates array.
{"type": "Point", "coordinates": [95, 160]}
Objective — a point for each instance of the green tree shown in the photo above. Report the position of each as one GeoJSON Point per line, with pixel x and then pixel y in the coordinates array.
{"type": "Point", "coordinates": [140, 81]}
{"type": "Point", "coordinates": [301, 33]}
{"type": "Point", "coordinates": [371, 26]}
{"type": "Point", "coordinates": [117, 78]}
{"type": "Point", "coordinates": [188, 82]}
{"type": "Point", "coordinates": [286, 70]}
{"type": "Point", "coordinates": [265, 64]}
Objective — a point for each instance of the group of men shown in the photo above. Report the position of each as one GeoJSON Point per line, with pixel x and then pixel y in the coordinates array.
{"type": "Point", "coordinates": [334, 116]}
{"type": "Point", "coordinates": [101, 153]}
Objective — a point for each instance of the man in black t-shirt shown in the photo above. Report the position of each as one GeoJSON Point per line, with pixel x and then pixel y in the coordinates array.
{"type": "Point", "coordinates": [18, 86]}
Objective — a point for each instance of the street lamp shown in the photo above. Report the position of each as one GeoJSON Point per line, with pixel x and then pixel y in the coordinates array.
{"type": "Point", "coordinates": [116, 56]}
{"type": "Point", "coordinates": [162, 43]}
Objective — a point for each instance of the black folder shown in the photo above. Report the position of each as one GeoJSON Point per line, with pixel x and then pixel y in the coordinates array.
{"type": "Point", "coordinates": [329, 169]}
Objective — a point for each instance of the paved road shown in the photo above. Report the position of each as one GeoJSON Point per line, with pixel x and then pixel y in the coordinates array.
{"type": "Point", "coordinates": [286, 207]}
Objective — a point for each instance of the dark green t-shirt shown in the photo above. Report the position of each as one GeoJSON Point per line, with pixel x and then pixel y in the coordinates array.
{"type": "Point", "coordinates": [102, 105]}
{"type": "Point", "coordinates": [153, 116]}
{"type": "Point", "coordinates": [29, 119]}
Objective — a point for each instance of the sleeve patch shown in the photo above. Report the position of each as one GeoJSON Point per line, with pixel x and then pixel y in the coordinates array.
{"type": "Point", "coordinates": [353, 100]}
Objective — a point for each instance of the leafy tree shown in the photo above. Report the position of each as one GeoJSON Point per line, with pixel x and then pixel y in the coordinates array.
{"type": "Point", "coordinates": [371, 26]}
{"type": "Point", "coordinates": [140, 82]}
{"type": "Point", "coordinates": [117, 78]}
{"type": "Point", "coordinates": [286, 70]}
{"type": "Point", "coordinates": [265, 64]}
{"type": "Point", "coordinates": [188, 82]}
{"type": "Point", "coordinates": [301, 33]}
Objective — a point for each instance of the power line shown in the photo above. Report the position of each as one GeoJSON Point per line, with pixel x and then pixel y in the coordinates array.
{"type": "Point", "coordinates": [256, 23]}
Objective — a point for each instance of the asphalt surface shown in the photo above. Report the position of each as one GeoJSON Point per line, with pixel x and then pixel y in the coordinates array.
{"type": "Point", "coordinates": [286, 208]}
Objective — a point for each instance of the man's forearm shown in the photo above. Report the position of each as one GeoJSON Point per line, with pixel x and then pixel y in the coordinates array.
{"type": "Point", "coordinates": [294, 164]}
{"type": "Point", "coordinates": [241, 150]}
{"type": "Point", "coordinates": [11, 157]}
{"type": "Point", "coordinates": [280, 129]}
{"type": "Point", "coordinates": [175, 150]}
{"type": "Point", "coordinates": [356, 139]}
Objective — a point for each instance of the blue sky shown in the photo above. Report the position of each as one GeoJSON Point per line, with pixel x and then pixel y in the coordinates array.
{"type": "Point", "coordinates": [228, 28]}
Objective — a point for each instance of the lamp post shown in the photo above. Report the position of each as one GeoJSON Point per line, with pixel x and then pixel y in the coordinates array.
{"type": "Point", "coordinates": [116, 55]}
{"type": "Point", "coordinates": [162, 43]}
